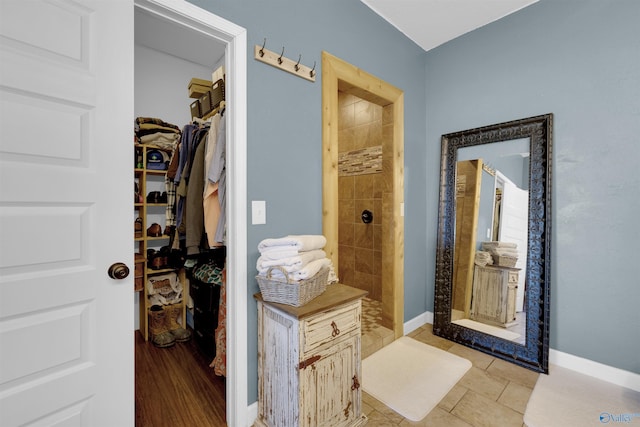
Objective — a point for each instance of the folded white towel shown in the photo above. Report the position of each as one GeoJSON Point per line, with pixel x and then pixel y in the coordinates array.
{"type": "Point", "coordinates": [306, 272]}
{"type": "Point", "coordinates": [275, 253]}
{"type": "Point", "coordinates": [291, 264]}
{"type": "Point", "coordinates": [310, 269]}
{"type": "Point", "coordinates": [303, 242]}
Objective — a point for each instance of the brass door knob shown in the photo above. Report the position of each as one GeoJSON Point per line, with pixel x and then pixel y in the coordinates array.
{"type": "Point", "coordinates": [118, 271]}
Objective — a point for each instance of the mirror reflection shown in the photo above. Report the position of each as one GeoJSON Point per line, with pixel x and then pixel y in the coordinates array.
{"type": "Point", "coordinates": [491, 231]}
{"type": "Point", "coordinates": [494, 236]}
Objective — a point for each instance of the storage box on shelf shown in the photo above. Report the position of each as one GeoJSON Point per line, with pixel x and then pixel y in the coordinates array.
{"type": "Point", "coordinates": [209, 96]}
{"type": "Point", "coordinates": [139, 272]}
{"type": "Point", "coordinates": [198, 87]}
{"type": "Point", "coordinates": [149, 213]}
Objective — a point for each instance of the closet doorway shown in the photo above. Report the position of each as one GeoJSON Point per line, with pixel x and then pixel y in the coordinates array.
{"type": "Point", "coordinates": [184, 27]}
{"type": "Point", "coordinates": [379, 250]}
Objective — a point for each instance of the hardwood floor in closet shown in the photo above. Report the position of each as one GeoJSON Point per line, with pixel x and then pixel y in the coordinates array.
{"type": "Point", "coordinates": [176, 387]}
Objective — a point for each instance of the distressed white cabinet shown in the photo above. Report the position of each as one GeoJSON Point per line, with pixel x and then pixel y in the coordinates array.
{"type": "Point", "coordinates": [494, 295]}
{"type": "Point", "coordinates": [309, 361]}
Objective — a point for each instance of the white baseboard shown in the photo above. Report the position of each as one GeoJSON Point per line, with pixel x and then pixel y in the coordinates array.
{"type": "Point", "coordinates": [416, 322]}
{"type": "Point", "coordinates": [252, 413]}
{"type": "Point", "coordinates": [584, 366]}
{"type": "Point", "coordinates": [595, 369]}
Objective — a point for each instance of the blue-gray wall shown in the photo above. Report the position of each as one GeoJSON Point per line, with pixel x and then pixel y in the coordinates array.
{"type": "Point", "coordinates": [579, 59]}
{"type": "Point", "coordinates": [284, 140]}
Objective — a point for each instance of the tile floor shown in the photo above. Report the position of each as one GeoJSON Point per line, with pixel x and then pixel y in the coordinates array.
{"type": "Point", "coordinates": [492, 393]}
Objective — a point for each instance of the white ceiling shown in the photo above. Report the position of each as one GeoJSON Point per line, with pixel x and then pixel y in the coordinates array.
{"type": "Point", "coordinates": [430, 23]}
{"type": "Point", "coordinates": [176, 40]}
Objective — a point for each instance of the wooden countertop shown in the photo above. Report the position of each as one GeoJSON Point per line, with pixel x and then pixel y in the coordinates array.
{"type": "Point", "coordinates": [335, 295]}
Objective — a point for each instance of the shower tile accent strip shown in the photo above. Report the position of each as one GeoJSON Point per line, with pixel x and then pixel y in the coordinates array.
{"type": "Point", "coordinates": [360, 162]}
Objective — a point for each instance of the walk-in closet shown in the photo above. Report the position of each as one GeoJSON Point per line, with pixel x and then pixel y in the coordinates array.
{"type": "Point", "coordinates": [179, 222]}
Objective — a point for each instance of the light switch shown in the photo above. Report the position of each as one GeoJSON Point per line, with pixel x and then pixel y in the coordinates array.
{"type": "Point", "coordinates": [258, 212]}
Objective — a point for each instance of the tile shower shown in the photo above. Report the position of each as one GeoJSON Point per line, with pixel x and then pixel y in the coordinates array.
{"type": "Point", "coordinates": [363, 129]}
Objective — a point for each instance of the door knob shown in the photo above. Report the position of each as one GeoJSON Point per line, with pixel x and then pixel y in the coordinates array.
{"type": "Point", "coordinates": [118, 271]}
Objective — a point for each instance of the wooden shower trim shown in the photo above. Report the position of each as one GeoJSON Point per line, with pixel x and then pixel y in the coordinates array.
{"type": "Point", "coordinates": [338, 74]}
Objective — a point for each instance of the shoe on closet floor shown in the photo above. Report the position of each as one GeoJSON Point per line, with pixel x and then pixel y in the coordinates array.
{"type": "Point", "coordinates": [179, 333]}
{"type": "Point", "coordinates": [158, 327]}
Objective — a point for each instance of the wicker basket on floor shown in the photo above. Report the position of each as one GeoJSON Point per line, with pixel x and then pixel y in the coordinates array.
{"type": "Point", "coordinates": [291, 292]}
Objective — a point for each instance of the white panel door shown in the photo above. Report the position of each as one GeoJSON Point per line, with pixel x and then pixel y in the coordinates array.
{"type": "Point", "coordinates": [66, 151]}
{"type": "Point", "coordinates": [514, 226]}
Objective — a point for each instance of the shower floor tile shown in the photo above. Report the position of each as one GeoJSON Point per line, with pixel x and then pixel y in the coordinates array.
{"type": "Point", "coordinates": [374, 335]}
{"type": "Point", "coordinates": [371, 314]}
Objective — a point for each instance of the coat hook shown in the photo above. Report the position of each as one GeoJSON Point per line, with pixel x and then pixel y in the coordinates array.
{"type": "Point", "coordinates": [297, 66]}
{"type": "Point", "coordinates": [261, 51]}
{"type": "Point", "coordinates": [280, 59]}
{"type": "Point", "coordinates": [312, 72]}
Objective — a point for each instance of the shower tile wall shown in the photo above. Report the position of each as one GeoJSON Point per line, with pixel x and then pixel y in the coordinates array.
{"type": "Point", "coordinates": [360, 187]}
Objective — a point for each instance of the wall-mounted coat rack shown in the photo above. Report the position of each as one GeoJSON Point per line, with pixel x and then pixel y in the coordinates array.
{"type": "Point", "coordinates": [278, 60]}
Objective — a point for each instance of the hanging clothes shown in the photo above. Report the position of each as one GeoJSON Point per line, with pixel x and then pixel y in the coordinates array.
{"type": "Point", "coordinates": [210, 202]}
{"type": "Point", "coordinates": [170, 187]}
{"type": "Point", "coordinates": [188, 132]}
{"type": "Point", "coordinates": [192, 136]}
{"type": "Point", "coordinates": [219, 363]}
{"type": "Point", "coordinates": [194, 212]}
{"type": "Point", "coordinates": [217, 174]}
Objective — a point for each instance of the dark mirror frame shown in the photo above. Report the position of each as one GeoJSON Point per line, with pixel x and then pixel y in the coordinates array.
{"type": "Point", "coordinates": [534, 354]}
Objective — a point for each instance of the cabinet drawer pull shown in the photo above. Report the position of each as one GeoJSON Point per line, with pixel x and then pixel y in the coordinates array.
{"type": "Point", "coordinates": [356, 383]}
{"type": "Point", "coordinates": [336, 331]}
{"type": "Point", "coordinates": [310, 361]}
{"type": "Point", "coordinates": [346, 410]}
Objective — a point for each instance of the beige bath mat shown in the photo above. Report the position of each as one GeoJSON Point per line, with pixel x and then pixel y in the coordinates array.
{"type": "Point", "coordinates": [411, 377]}
{"type": "Point", "coordinates": [568, 398]}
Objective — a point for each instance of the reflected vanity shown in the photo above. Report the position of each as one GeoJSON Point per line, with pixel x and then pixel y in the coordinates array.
{"type": "Point", "coordinates": [492, 265]}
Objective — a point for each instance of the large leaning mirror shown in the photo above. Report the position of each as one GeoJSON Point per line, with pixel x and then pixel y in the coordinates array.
{"type": "Point", "coordinates": [494, 237]}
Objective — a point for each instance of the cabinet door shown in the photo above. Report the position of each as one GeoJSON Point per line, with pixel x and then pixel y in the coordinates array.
{"type": "Point", "coordinates": [277, 368]}
{"type": "Point", "coordinates": [329, 394]}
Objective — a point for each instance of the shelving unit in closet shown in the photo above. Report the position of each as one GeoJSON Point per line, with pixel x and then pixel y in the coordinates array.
{"type": "Point", "coordinates": [151, 240]}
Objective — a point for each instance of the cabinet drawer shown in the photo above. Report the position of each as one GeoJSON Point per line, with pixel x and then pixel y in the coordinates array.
{"type": "Point", "coordinates": [325, 327]}
{"type": "Point", "coordinates": [513, 277]}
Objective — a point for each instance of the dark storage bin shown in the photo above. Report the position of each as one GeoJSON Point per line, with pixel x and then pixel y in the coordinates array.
{"type": "Point", "coordinates": [206, 343]}
{"type": "Point", "coordinates": [206, 300]}
{"type": "Point", "coordinates": [195, 109]}
{"type": "Point", "coordinates": [205, 104]}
